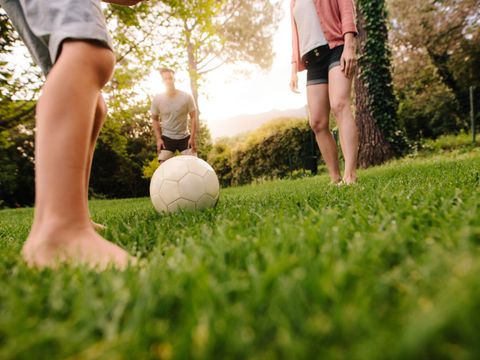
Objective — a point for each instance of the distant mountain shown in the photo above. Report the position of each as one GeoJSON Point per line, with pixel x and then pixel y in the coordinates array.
{"type": "Point", "coordinates": [245, 123]}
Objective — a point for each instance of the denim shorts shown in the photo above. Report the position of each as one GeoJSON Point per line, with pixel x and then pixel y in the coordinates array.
{"type": "Point", "coordinates": [44, 24]}
{"type": "Point", "coordinates": [319, 61]}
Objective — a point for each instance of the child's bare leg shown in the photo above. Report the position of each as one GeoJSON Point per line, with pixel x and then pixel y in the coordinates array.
{"type": "Point", "coordinates": [62, 230]}
{"type": "Point", "coordinates": [99, 119]}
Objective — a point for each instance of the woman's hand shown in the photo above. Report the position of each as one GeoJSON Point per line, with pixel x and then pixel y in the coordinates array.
{"type": "Point", "coordinates": [294, 79]}
{"type": "Point", "coordinates": [348, 61]}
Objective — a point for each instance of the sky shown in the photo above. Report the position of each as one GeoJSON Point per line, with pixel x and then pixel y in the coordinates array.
{"type": "Point", "coordinates": [231, 95]}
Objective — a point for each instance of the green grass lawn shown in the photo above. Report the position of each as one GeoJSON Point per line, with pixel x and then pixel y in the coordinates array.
{"type": "Point", "coordinates": [292, 269]}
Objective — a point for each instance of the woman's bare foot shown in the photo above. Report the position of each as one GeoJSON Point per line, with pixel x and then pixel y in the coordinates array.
{"type": "Point", "coordinates": [336, 180]}
{"type": "Point", "coordinates": [54, 245]}
{"type": "Point", "coordinates": [350, 180]}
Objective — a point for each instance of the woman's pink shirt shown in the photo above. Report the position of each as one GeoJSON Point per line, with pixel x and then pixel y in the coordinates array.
{"type": "Point", "coordinates": [337, 17]}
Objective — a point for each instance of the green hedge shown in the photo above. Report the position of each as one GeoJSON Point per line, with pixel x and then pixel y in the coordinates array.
{"type": "Point", "coordinates": [276, 150]}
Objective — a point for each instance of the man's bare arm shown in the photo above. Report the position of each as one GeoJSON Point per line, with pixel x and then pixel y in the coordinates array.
{"type": "Point", "coordinates": [157, 130]}
{"type": "Point", "coordinates": [192, 143]}
{"type": "Point", "coordinates": [193, 123]}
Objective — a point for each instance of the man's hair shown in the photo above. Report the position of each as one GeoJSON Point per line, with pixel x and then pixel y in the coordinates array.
{"type": "Point", "coordinates": [166, 70]}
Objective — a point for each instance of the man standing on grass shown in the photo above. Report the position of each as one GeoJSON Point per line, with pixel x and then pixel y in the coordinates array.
{"type": "Point", "coordinates": [170, 112]}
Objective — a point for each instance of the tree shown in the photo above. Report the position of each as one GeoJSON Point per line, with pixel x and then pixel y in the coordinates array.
{"type": "Point", "coordinates": [379, 133]}
{"type": "Point", "coordinates": [115, 171]}
{"type": "Point", "coordinates": [203, 35]}
{"type": "Point", "coordinates": [24, 86]}
{"type": "Point", "coordinates": [427, 107]}
{"type": "Point", "coordinates": [17, 129]}
{"type": "Point", "coordinates": [134, 31]}
{"type": "Point", "coordinates": [448, 33]}
{"type": "Point", "coordinates": [206, 34]}
{"type": "Point", "coordinates": [204, 140]}
{"type": "Point", "coordinates": [16, 165]}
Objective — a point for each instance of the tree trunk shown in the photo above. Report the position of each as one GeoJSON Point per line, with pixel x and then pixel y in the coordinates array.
{"type": "Point", "coordinates": [193, 73]}
{"type": "Point", "coordinates": [373, 147]}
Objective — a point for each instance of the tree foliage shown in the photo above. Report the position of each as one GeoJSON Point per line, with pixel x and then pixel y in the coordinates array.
{"type": "Point", "coordinates": [205, 34]}
{"type": "Point", "coordinates": [16, 123]}
{"type": "Point", "coordinates": [116, 171]}
{"type": "Point", "coordinates": [18, 87]}
{"type": "Point", "coordinates": [446, 35]}
{"type": "Point", "coordinates": [436, 44]}
{"type": "Point", "coordinates": [427, 107]}
{"type": "Point", "coordinates": [17, 183]}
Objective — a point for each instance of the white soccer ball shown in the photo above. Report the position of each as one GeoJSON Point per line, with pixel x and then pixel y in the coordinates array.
{"type": "Point", "coordinates": [184, 182]}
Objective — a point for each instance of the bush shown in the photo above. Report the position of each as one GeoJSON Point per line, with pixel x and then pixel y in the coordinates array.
{"type": "Point", "coordinates": [275, 151]}
{"type": "Point", "coordinates": [429, 114]}
{"type": "Point", "coordinates": [17, 175]}
{"type": "Point", "coordinates": [220, 159]}
{"type": "Point", "coordinates": [448, 143]}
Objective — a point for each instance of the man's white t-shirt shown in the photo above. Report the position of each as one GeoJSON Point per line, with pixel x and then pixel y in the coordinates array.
{"type": "Point", "coordinates": [173, 113]}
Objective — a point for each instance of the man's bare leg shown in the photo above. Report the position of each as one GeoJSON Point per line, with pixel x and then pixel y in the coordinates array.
{"type": "Point", "coordinates": [319, 109]}
{"type": "Point", "coordinates": [62, 230]}
{"type": "Point", "coordinates": [164, 156]}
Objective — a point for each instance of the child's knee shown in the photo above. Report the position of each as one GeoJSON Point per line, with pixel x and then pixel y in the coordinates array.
{"type": "Point", "coordinates": [97, 59]}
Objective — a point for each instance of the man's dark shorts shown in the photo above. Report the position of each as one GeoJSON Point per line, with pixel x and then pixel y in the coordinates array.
{"type": "Point", "coordinates": [319, 61]}
{"type": "Point", "coordinates": [173, 145]}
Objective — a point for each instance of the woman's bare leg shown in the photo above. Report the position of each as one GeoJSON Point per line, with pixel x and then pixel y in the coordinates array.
{"type": "Point", "coordinates": [319, 109]}
{"type": "Point", "coordinates": [339, 89]}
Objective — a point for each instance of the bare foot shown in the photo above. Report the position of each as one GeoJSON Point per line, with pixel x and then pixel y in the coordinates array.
{"type": "Point", "coordinates": [349, 180]}
{"type": "Point", "coordinates": [97, 226]}
{"type": "Point", "coordinates": [336, 181]}
{"type": "Point", "coordinates": [53, 246]}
